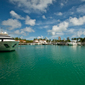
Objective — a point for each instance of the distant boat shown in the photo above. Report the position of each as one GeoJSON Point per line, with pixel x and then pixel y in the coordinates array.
{"type": "Point", "coordinates": [73, 43]}
{"type": "Point", "coordinates": [7, 43]}
{"type": "Point", "coordinates": [79, 44]}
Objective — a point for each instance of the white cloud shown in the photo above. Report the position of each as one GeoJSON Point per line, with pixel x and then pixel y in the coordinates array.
{"type": "Point", "coordinates": [61, 33]}
{"type": "Point", "coordinates": [57, 35]}
{"type": "Point", "coordinates": [31, 38]}
{"type": "Point", "coordinates": [42, 27]}
{"type": "Point", "coordinates": [82, 0]}
{"type": "Point", "coordinates": [77, 21]}
{"type": "Point", "coordinates": [46, 26]}
{"type": "Point", "coordinates": [21, 37]}
{"type": "Point", "coordinates": [12, 23]}
{"type": "Point", "coordinates": [50, 17]}
{"type": "Point", "coordinates": [15, 15]}
{"type": "Point", "coordinates": [24, 31]}
{"type": "Point", "coordinates": [17, 32]}
{"type": "Point", "coordinates": [33, 5]}
{"type": "Point", "coordinates": [59, 28]}
{"type": "Point", "coordinates": [71, 30]}
{"type": "Point", "coordinates": [59, 14]}
{"type": "Point", "coordinates": [71, 22]}
{"type": "Point", "coordinates": [52, 33]}
{"type": "Point", "coordinates": [81, 9]}
{"type": "Point", "coordinates": [58, 20]}
{"type": "Point", "coordinates": [29, 21]}
{"type": "Point", "coordinates": [43, 17]}
{"type": "Point", "coordinates": [62, 4]}
{"type": "Point", "coordinates": [28, 29]}
{"type": "Point", "coordinates": [47, 23]}
{"type": "Point", "coordinates": [79, 33]}
{"type": "Point", "coordinates": [40, 37]}
{"type": "Point", "coordinates": [20, 32]}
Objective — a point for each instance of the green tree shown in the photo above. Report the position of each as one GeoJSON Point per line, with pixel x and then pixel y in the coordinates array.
{"type": "Point", "coordinates": [16, 38]}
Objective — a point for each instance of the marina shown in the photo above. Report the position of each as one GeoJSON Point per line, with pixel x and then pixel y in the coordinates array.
{"type": "Point", "coordinates": [42, 42]}
{"type": "Point", "coordinates": [57, 43]}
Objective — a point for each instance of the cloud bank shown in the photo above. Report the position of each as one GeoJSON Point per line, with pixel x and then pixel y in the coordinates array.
{"type": "Point", "coordinates": [15, 15]}
{"type": "Point", "coordinates": [62, 27]}
{"type": "Point", "coordinates": [29, 21]}
{"type": "Point", "coordinates": [32, 5]}
{"type": "Point", "coordinates": [12, 23]}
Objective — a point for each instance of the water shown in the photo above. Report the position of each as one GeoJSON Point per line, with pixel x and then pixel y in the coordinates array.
{"type": "Point", "coordinates": [43, 65]}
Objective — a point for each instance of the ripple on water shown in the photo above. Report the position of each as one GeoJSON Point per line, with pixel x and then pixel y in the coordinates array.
{"type": "Point", "coordinates": [43, 65]}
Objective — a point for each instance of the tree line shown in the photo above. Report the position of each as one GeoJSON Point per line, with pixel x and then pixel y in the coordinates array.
{"type": "Point", "coordinates": [79, 39]}
{"type": "Point", "coordinates": [53, 40]}
{"type": "Point", "coordinates": [27, 41]}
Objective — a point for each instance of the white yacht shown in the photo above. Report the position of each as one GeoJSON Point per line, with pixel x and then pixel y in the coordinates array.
{"type": "Point", "coordinates": [79, 44]}
{"type": "Point", "coordinates": [7, 43]}
{"type": "Point", "coordinates": [73, 43]}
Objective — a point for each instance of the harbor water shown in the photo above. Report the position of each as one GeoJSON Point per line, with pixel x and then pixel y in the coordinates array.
{"type": "Point", "coordinates": [43, 65]}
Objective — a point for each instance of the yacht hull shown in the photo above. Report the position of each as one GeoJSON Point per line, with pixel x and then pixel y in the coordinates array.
{"type": "Point", "coordinates": [8, 45]}
{"type": "Point", "coordinates": [72, 44]}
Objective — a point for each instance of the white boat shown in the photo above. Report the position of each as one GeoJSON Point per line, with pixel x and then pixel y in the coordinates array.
{"type": "Point", "coordinates": [7, 43]}
{"type": "Point", "coordinates": [73, 43]}
{"type": "Point", "coordinates": [79, 44]}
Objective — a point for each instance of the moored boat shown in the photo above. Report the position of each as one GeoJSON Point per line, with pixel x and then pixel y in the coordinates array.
{"type": "Point", "coordinates": [79, 44]}
{"type": "Point", "coordinates": [7, 43]}
{"type": "Point", "coordinates": [73, 43]}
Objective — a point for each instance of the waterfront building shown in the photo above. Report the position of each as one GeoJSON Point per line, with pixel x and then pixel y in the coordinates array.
{"type": "Point", "coordinates": [73, 43]}
{"type": "Point", "coordinates": [40, 41]}
{"type": "Point", "coordinates": [35, 41]}
{"type": "Point", "coordinates": [59, 38]}
{"type": "Point", "coordinates": [64, 39]}
{"type": "Point", "coordinates": [68, 38]}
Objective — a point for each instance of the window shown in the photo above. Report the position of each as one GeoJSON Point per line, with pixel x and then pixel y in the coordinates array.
{"type": "Point", "coordinates": [6, 45]}
{"type": "Point", "coordinates": [14, 45]}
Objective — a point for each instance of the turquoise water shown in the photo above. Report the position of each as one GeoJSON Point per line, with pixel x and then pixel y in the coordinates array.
{"type": "Point", "coordinates": [43, 65]}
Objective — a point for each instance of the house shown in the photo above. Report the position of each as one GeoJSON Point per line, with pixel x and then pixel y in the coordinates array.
{"type": "Point", "coordinates": [40, 41]}
{"type": "Point", "coordinates": [21, 41]}
{"type": "Point", "coordinates": [35, 41]}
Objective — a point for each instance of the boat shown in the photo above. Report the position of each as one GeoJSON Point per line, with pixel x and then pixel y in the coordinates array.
{"type": "Point", "coordinates": [73, 43]}
{"type": "Point", "coordinates": [79, 44]}
{"type": "Point", "coordinates": [7, 43]}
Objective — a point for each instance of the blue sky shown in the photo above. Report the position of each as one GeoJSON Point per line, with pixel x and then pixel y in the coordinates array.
{"type": "Point", "coordinates": [31, 19]}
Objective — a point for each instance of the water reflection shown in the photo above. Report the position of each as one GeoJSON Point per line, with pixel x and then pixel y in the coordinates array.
{"type": "Point", "coordinates": [40, 46]}
{"type": "Point", "coordinates": [8, 57]}
{"type": "Point", "coordinates": [74, 48]}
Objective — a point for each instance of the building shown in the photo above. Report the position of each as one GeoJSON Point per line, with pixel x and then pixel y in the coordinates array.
{"type": "Point", "coordinates": [64, 39]}
{"type": "Point", "coordinates": [68, 38]}
{"type": "Point", "coordinates": [40, 41]}
{"type": "Point", "coordinates": [35, 41]}
{"type": "Point", "coordinates": [59, 38]}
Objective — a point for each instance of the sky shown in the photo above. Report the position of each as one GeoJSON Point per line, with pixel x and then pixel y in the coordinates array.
{"type": "Point", "coordinates": [29, 19]}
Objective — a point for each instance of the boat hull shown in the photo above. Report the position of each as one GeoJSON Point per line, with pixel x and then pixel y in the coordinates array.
{"type": "Point", "coordinates": [72, 44]}
{"type": "Point", "coordinates": [8, 45]}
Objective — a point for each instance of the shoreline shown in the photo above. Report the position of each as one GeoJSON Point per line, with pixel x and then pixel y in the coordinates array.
{"type": "Point", "coordinates": [59, 43]}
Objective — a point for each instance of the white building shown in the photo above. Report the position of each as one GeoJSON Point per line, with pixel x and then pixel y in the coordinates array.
{"type": "Point", "coordinates": [35, 41]}
{"type": "Point", "coordinates": [40, 41]}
